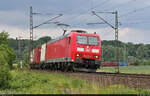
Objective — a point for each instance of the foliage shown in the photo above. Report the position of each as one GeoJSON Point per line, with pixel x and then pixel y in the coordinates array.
{"type": "Point", "coordinates": [146, 62]}
{"type": "Point", "coordinates": [45, 83]}
{"type": "Point", "coordinates": [8, 53]}
{"type": "Point", "coordinates": [128, 52]}
{"type": "Point", "coordinates": [4, 38]}
{"type": "Point", "coordinates": [5, 75]}
{"type": "Point", "coordinates": [137, 62]}
{"type": "Point", "coordinates": [7, 56]}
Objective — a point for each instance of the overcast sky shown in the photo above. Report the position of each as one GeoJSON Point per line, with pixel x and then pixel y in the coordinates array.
{"type": "Point", "coordinates": [134, 18]}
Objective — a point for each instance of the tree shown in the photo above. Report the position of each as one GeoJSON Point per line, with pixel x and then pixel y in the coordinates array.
{"type": "Point", "coordinates": [4, 38]}
{"type": "Point", "coordinates": [8, 53]}
{"type": "Point", "coordinates": [5, 76]}
{"type": "Point", "coordinates": [42, 40]}
{"type": "Point", "coordinates": [142, 52]}
{"type": "Point", "coordinates": [108, 53]}
{"type": "Point", "coordinates": [7, 56]}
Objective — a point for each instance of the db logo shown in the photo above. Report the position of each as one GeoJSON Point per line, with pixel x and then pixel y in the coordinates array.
{"type": "Point", "coordinates": [86, 56]}
{"type": "Point", "coordinates": [87, 50]}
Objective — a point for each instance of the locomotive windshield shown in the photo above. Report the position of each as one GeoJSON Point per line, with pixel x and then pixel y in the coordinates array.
{"type": "Point", "coordinates": [81, 39]}
{"type": "Point", "coordinates": [91, 40]}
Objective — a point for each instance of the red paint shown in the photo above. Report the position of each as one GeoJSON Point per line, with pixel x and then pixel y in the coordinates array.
{"type": "Point", "coordinates": [131, 64]}
{"type": "Point", "coordinates": [58, 49]}
{"type": "Point", "coordinates": [37, 54]}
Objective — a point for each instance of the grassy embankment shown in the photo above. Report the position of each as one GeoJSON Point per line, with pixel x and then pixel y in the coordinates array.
{"type": "Point", "coordinates": [46, 83]}
{"type": "Point", "coordinates": [127, 69]}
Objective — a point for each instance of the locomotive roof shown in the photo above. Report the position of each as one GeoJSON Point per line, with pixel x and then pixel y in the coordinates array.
{"type": "Point", "coordinates": [61, 37]}
{"type": "Point", "coordinates": [79, 31]}
{"type": "Point", "coordinates": [58, 38]}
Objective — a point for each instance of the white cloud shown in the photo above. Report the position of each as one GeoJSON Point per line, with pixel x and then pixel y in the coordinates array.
{"type": "Point", "coordinates": [134, 35]}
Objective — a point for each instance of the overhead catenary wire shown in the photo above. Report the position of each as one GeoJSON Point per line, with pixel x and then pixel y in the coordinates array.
{"type": "Point", "coordinates": [122, 4]}
{"type": "Point", "coordinates": [73, 18]}
{"type": "Point", "coordinates": [101, 4]}
{"type": "Point", "coordinates": [142, 22]}
{"type": "Point", "coordinates": [134, 11]}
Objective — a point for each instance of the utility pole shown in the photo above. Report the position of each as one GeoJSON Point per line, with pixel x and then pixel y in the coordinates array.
{"type": "Point", "coordinates": [31, 36]}
{"type": "Point", "coordinates": [116, 40]}
{"type": "Point", "coordinates": [19, 52]}
{"type": "Point", "coordinates": [116, 33]}
{"type": "Point", "coordinates": [102, 54]}
{"type": "Point", "coordinates": [19, 47]}
{"type": "Point", "coordinates": [125, 54]}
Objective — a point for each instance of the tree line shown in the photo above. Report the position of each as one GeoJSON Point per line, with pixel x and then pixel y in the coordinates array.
{"type": "Point", "coordinates": [139, 54]}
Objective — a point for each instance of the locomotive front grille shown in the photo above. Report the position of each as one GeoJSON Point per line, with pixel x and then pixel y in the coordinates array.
{"type": "Point", "coordinates": [84, 61]}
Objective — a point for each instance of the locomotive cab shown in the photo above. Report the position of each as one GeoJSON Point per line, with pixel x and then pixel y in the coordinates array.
{"type": "Point", "coordinates": [87, 50]}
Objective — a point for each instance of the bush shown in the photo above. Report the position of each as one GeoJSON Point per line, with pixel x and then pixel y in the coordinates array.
{"type": "Point", "coordinates": [8, 54]}
{"type": "Point", "coordinates": [137, 62]}
{"type": "Point", "coordinates": [5, 75]}
{"type": "Point", "coordinates": [147, 62]}
{"type": "Point", "coordinates": [24, 65]}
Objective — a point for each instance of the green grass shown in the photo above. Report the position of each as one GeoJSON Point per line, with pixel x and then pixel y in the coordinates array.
{"type": "Point", "coordinates": [127, 69]}
{"type": "Point", "coordinates": [46, 83]}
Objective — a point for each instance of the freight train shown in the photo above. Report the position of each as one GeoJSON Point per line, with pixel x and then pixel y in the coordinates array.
{"type": "Point", "coordinates": [75, 51]}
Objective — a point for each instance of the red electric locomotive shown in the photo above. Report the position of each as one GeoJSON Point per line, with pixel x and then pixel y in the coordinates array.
{"type": "Point", "coordinates": [77, 50]}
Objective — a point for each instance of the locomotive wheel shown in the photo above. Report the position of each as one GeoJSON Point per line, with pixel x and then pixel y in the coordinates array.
{"type": "Point", "coordinates": [66, 69]}
{"type": "Point", "coordinates": [62, 67]}
{"type": "Point", "coordinates": [30, 66]}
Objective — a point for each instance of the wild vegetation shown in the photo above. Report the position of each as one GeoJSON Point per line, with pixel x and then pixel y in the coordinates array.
{"type": "Point", "coordinates": [45, 83]}
{"type": "Point", "coordinates": [7, 55]}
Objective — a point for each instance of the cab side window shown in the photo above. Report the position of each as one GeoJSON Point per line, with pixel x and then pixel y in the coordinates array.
{"type": "Point", "coordinates": [69, 40]}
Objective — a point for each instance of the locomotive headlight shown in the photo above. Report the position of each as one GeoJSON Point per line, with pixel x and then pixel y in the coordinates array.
{"type": "Point", "coordinates": [80, 49]}
{"type": "Point", "coordinates": [95, 50]}
{"type": "Point", "coordinates": [77, 54]}
{"type": "Point", "coordinates": [96, 56]}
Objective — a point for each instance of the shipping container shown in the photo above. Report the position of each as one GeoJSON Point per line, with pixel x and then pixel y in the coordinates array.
{"type": "Point", "coordinates": [123, 64]}
{"type": "Point", "coordinates": [131, 64]}
{"type": "Point", "coordinates": [37, 55]}
{"type": "Point", "coordinates": [43, 51]}
{"type": "Point", "coordinates": [31, 59]}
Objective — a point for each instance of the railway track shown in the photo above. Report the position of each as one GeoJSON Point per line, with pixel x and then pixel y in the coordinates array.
{"type": "Point", "coordinates": [125, 74]}
{"type": "Point", "coordinates": [129, 80]}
